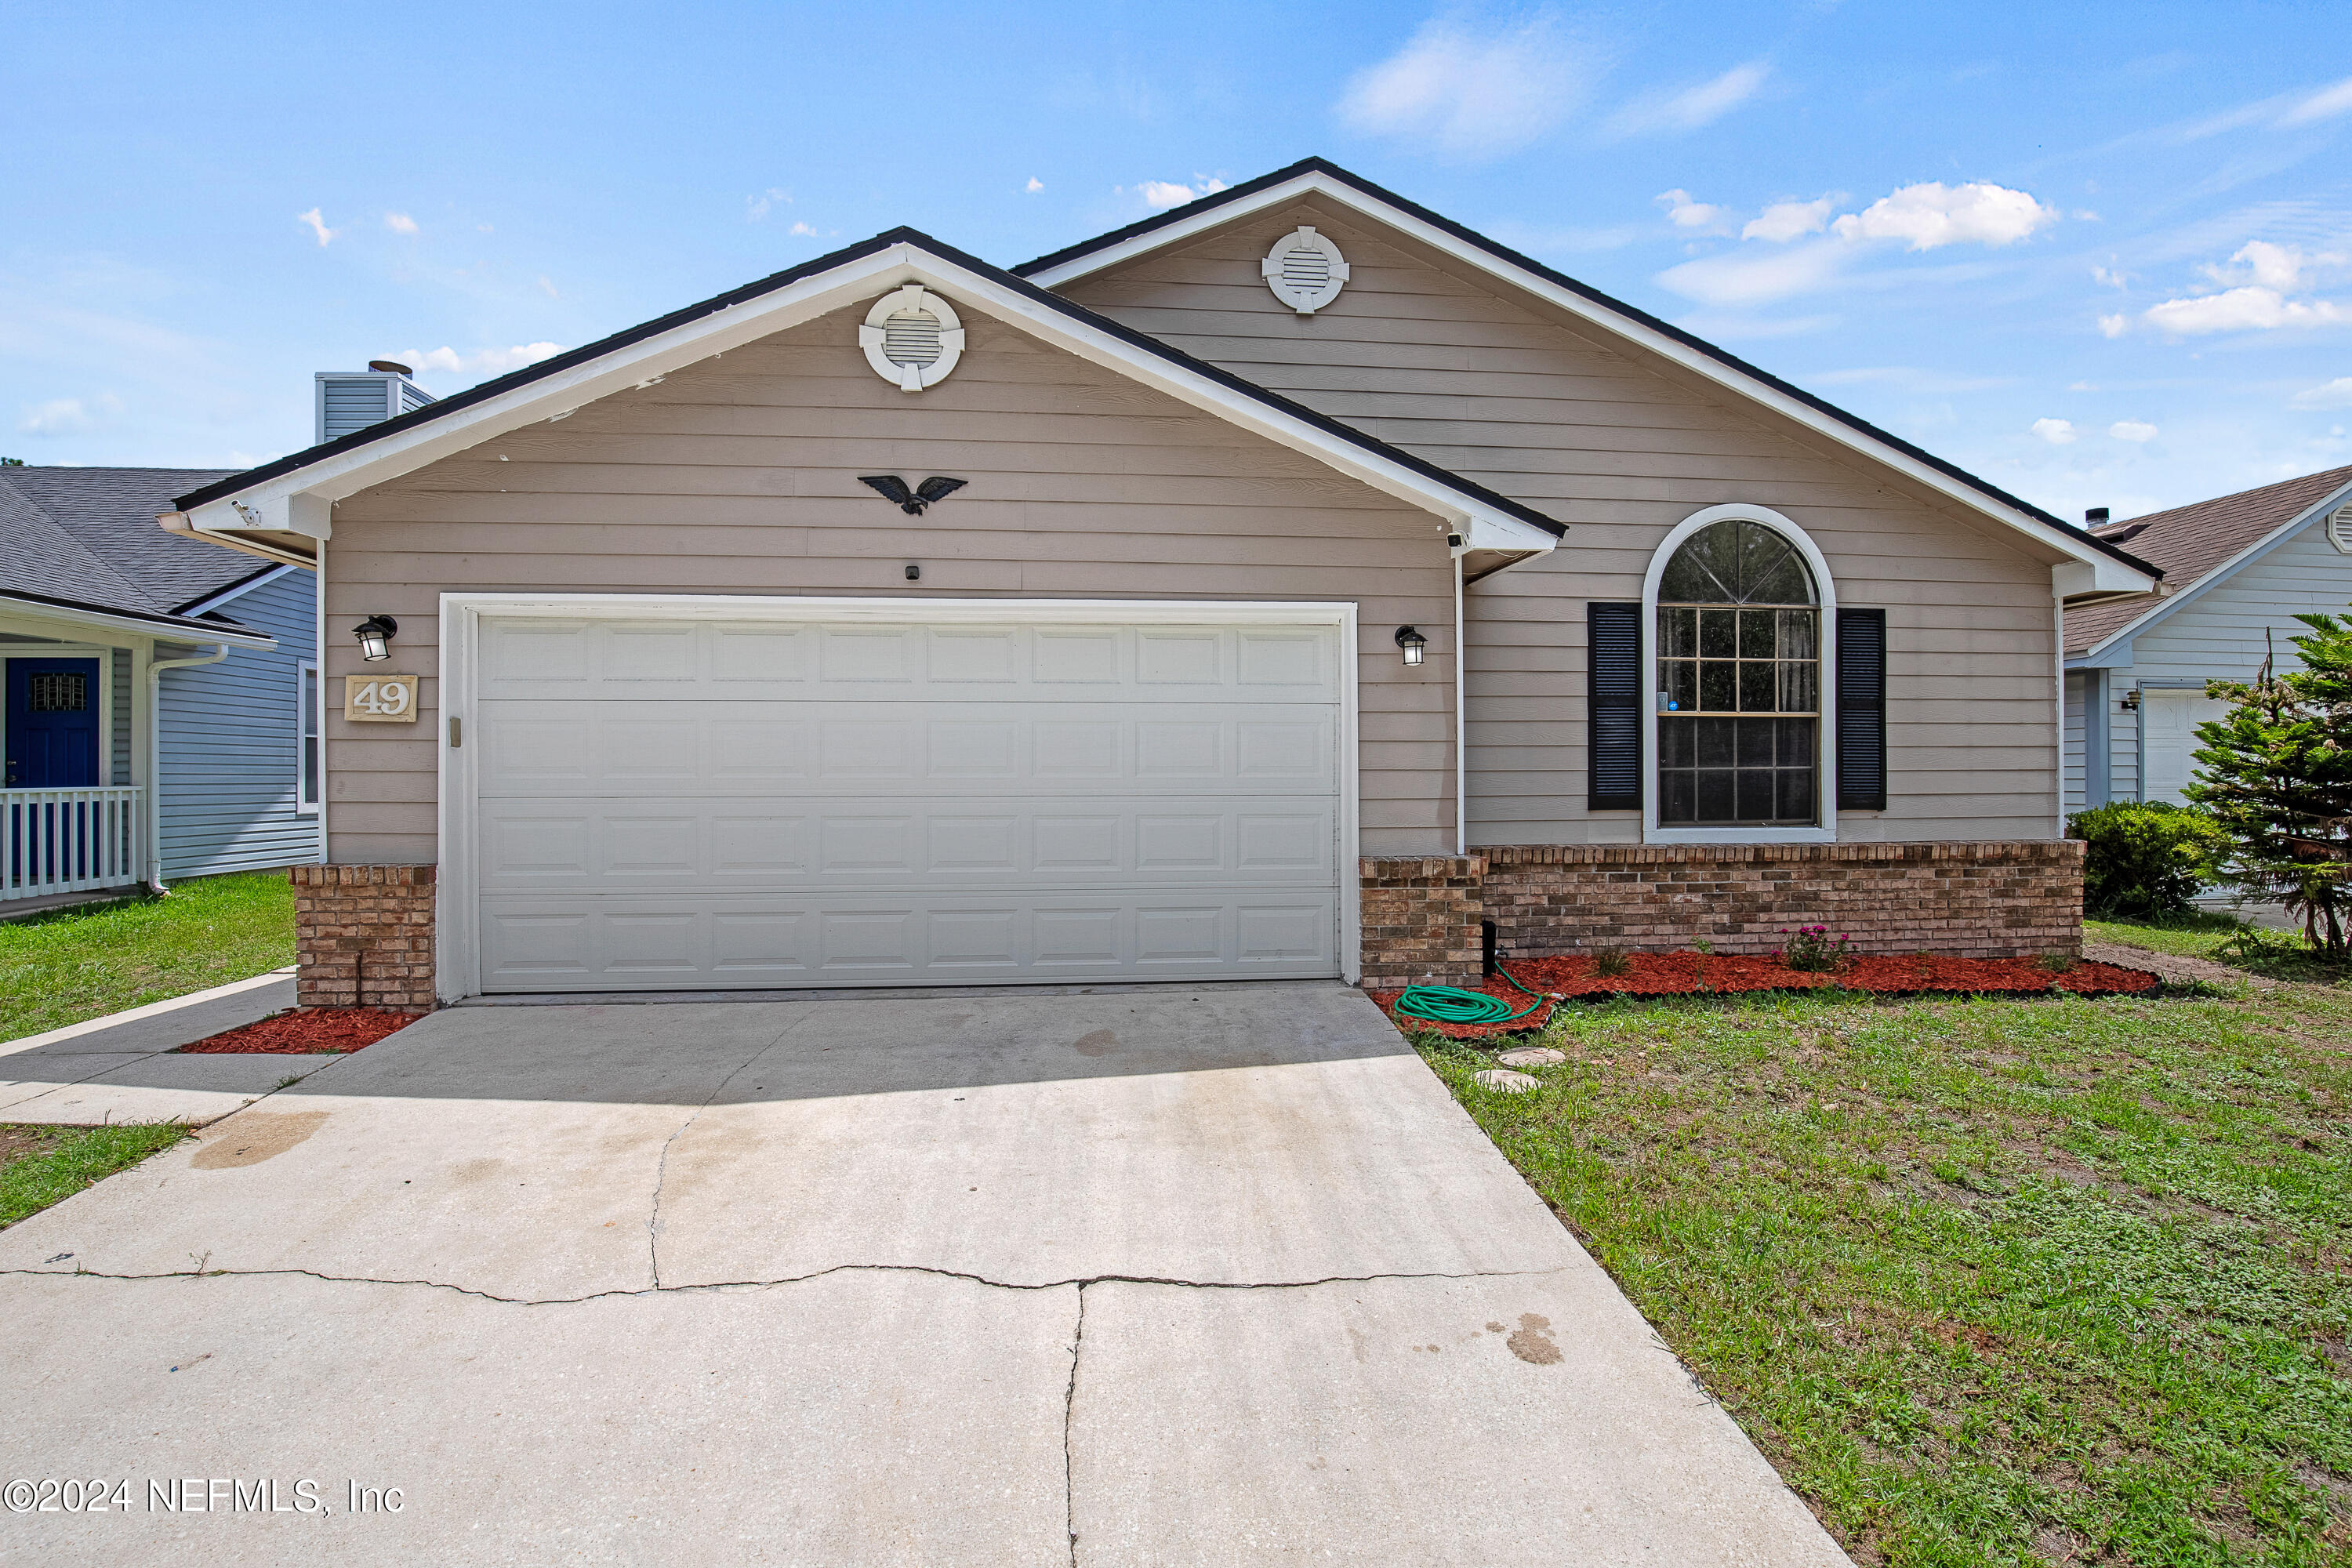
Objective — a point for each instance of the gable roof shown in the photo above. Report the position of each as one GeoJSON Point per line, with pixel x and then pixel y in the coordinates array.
{"type": "Point", "coordinates": [2201, 545]}
{"type": "Point", "coordinates": [294, 492]}
{"type": "Point", "coordinates": [84, 539]}
{"type": "Point", "coordinates": [1320, 176]}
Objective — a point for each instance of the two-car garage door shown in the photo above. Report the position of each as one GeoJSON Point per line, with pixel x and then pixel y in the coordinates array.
{"type": "Point", "coordinates": [688, 803]}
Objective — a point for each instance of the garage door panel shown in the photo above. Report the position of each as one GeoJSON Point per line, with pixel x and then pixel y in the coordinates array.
{"type": "Point", "coordinates": [666, 803]}
{"type": "Point", "coordinates": [843, 843]}
{"type": "Point", "coordinates": [688, 942]}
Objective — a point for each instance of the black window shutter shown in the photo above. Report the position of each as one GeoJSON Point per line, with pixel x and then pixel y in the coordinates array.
{"type": "Point", "coordinates": [1613, 702]}
{"type": "Point", "coordinates": [1862, 710]}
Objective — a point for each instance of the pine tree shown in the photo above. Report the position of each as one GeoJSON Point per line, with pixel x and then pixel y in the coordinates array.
{"type": "Point", "coordinates": [2278, 775]}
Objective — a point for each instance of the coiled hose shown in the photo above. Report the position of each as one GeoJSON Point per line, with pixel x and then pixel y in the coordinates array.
{"type": "Point", "coordinates": [1453, 1005]}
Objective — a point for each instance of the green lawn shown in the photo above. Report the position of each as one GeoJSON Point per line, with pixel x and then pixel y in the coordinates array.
{"type": "Point", "coordinates": [1992, 1281]}
{"type": "Point", "coordinates": [41, 1165]}
{"type": "Point", "coordinates": [61, 968]}
{"type": "Point", "coordinates": [2281, 955]}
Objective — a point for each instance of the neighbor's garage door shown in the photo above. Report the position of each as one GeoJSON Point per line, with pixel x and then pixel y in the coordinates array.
{"type": "Point", "coordinates": [683, 804]}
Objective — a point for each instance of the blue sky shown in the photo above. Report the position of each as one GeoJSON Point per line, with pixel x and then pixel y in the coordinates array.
{"type": "Point", "coordinates": [2099, 254]}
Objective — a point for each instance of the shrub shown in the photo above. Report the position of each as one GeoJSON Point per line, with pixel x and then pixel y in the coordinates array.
{"type": "Point", "coordinates": [2146, 857]}
{"type": "Point", "coordinates": [1812, 950]}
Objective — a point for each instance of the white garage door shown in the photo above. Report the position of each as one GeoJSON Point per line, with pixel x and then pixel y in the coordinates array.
{"type": "Point", "coordinates": [2171, 719]}
{"type": "Point", "coordinates": [682, 804]}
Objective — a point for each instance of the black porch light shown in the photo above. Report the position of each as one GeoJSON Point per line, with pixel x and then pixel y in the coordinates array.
{"type": "Point", "coordinates": [375, 634]}
{"type": "Point", "coordinates": [1412, 642]}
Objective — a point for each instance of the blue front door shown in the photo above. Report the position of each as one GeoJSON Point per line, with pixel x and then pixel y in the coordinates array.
{"type": "Point", "coordinates": [53, 723]}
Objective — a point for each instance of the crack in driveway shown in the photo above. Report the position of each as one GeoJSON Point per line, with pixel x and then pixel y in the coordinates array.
{"type": "Point", "coordinates": [1081, 1283]}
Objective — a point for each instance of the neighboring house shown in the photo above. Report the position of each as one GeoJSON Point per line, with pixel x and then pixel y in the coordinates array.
{"type": "Point", "coordinates": [162, 693]}
{"type": "Point", "coordinates": [1305, 580]}
{"type": "Point", "coordinates": [2237, 570]}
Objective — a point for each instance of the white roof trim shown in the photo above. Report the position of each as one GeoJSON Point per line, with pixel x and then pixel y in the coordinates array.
{"type": "Point", "coordinates": [15, 608]}
{"type": "Point", "coordinates": [2107, 575]}
{"type": "Point", "coordinates": [237, 589]}
{"type": "Point", "coordinates": [2173, 603]}
{"type": "Point", "coordinates": [300, 501]}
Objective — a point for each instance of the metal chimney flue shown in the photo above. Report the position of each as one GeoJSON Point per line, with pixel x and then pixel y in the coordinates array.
{"type": "Point", "coordinates": [2095, 518]}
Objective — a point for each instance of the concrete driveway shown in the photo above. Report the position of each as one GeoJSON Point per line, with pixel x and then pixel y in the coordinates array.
{"type": "Point", "coordinates": [1165, 1276]}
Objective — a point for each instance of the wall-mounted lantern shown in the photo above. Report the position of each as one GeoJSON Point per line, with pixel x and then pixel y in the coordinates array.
{"type": "Point", "coordinates": [375, 634]}
{"type": "Point", "coordinates": [1412, 642]}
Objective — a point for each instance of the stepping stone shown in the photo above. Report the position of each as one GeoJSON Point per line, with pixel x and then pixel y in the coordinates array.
{"type": "Point", "coordinates": [1532, 1056]}
{"type": "Point", "coordinates": [1505, 1082]}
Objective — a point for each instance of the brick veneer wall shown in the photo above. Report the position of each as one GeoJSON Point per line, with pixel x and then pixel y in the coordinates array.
{"type": "Point", "coordinates": [1421, 918]}
{"type": "Point", "coordinates": [1994, 899]}
{"type": "Point", "coordinates": [364, 936]}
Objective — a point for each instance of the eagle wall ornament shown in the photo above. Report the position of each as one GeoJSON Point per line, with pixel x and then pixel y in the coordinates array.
{"type": "Point", "coordinates": [938, 487]}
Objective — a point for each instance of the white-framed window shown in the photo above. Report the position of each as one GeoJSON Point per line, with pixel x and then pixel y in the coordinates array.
{"type": "Point", "coordinates": [1739, 629]}
{"type": "Point", "coordinates": [309, 756]}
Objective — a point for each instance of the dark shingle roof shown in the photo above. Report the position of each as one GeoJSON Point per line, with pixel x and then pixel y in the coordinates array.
{"type": "Point", "coordinates": [2188, 542]}
{"type": "Point", "coordinates": [89, 536]}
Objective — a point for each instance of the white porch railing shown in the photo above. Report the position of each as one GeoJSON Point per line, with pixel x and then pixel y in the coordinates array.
{"type": "Point", "coordinates": [68, 840]}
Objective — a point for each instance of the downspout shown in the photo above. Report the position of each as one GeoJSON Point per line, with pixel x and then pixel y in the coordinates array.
{"type": "Point", "coordinates": [1461, 726]}
{"type": "Point", "coordinates": [155, 758]}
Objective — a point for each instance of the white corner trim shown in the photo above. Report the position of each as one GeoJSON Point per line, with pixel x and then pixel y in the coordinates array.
{"type": "Point", "coordinates": [874, 338]}
{"type": "Point", "coordinates": [301, 500]}
{"type": "Point", "coordinates": [1825, 728]}
{"type": "Point", "coordinates": [457, 946]}
{"type": "Point", "coordinates": [2108, 575]}
{"type": "Point", "coordinates": [1301, 294]}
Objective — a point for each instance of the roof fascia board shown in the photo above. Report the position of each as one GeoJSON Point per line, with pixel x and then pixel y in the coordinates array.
{"type": "Point", "coordinates": [2172, 604]}
{"type": "Point", "coordinates": [169, 628]}
{"type": "Point", "coordinates": [299, 501]}
{"type": "Point", "coordinates": [268, 574]}
{"type": "Point", "coordinates": [2108, 575]}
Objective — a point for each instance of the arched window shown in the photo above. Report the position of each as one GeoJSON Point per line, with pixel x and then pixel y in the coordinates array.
{"type": "Point", "coordinates": [1738, 649]}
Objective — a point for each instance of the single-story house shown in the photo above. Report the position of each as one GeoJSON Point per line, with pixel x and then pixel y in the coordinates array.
{"type": "Point", "coordinates": [2237, 570]}
{"type": "Point", "coordinates": [1287, 585]}
{"type": "Point", "coordinates": [162, 715]}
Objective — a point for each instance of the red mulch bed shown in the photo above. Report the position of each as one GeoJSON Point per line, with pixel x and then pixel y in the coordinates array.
{"type": "Point", "coordinates": [1689, 973]}
{"type": "Point", "coordinates": [310, 1032]}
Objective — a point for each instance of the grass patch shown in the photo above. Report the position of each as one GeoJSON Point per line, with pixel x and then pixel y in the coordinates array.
{"type": "Point", "coordinates": [42, 1165]}
{"type": "Point", "coordinates": [1990, 1281]}
{"type": "Point", "coordinates": [2221, 939]}
{"type": "Point", "coordinates": [62, 967]}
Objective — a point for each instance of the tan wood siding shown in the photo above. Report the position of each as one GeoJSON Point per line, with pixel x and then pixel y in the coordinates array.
{"type": "Point", "coordinates": [739, 476]}
{"type": "Point", "coordinates": [1622, 447]}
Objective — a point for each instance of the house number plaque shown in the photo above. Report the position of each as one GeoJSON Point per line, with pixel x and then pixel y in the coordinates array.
{"type": "Point", "coordinates": [380, 699]}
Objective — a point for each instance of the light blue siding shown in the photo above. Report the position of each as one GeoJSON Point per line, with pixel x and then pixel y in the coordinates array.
{"type": "Point", "coordinates": [231, 738]}
{"type": "Point", "coordinates": [2219, 636]}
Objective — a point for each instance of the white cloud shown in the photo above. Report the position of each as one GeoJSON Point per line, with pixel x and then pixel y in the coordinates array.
{"type": "Point", "coordinates": [400, 223]}
{"type": "Point", "coordinates": [59, 416]}
{"type": "Point", "coordinates": [758, 207]}
{"type": "Point", "coordinates": [547, 287]}
{"type": "Point", "coordinates": [2280, 267]}
{"type": "Point", "coordinates": [1784, 221]}
{"type": "Point", "coordinates": [2337, 394]}
{"type": "Point", "coordinates": [2326, 104]}
{"type": "Point", "coordinates": [2057, 432]}
{"type": "Point", "coordinates": [1752, 278]}
{"type": "Point", "coordinates": [809, 231]}
{"type": "Point", "coordinates": [2132, 430]}
{"type": "Point", "coordinates": [2109, 277]}
{"type": "Point", "coordinates": [1932, 215]}
{"type": "Point", "coordinates": [2114, 326]}
{"type": "Point", "coordinates": [1163, 194]}
{"type": "Point", "coordinates": [1472, 93]}
{"type": "Point", "coordinates": [481, 361]}
{"type": "Point", "coordinates": [1684, 213]}
{"type": "Point", "coordinates": [1692, 108]}
{"type": "Point", "coordinates": [2251, 309]}
{"type": "Point", "coordinates": [1034, 185]}
{"type": "Point", "coordinates": [318, 225]}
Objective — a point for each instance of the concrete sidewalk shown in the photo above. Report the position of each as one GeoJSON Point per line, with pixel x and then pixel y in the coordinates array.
{"type": "Point", "coordinates": [1177, 1275]}
{"type": "Point", "coordinates": [121, 1068]}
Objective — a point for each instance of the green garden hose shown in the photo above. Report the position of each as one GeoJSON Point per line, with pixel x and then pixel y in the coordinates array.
{"type": "Point", "coordinates": [1453, 1005]}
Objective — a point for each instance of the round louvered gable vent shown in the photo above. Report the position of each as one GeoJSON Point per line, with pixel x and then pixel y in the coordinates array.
{"type": "Point", "coordinates": [912, 338]}
{"type": "Point", "coordinates": [1304, 271]}
{"type": "Point", "coordinates": [2339, 529]}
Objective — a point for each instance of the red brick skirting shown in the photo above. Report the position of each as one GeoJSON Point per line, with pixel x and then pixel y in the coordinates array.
{"type": "Point", "coordinates": [364, 936]}
{"type": "Point", "coordinates": [1997, 899]}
